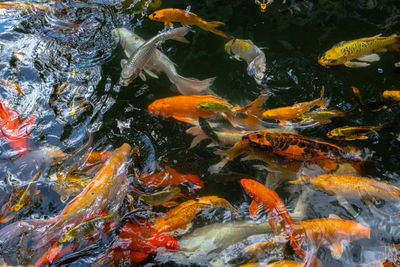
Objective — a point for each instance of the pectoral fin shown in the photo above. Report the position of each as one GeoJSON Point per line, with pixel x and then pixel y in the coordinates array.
{"type": "Point", "coordinates": [142, 76]}
{"type": "Point", "coordinates": [235, 57]}
{"type": "Point", "coordinates": [185, 119]}
{"type": "Point", "coordinates": [351, 64]}
{"type": "Point", "coordinates": [272, 224]}
{"type": "Point", "coordinates": [151, 74]}
{"type": "Point", "coordinates": [370, 58]}
{"type": "Point", "coordinates": [253, 209]}
{"type": "Point", "coordinates": [381, 50]}
{"type": "Point", "coordinates": [168, 25]}
{"type": "Point", "coordinates": [336, 250]}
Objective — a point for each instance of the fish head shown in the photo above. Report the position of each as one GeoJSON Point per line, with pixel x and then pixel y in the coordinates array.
{"type": "Point", "coordinates": [355, 230]}
{"type": "Point", "coordinates": [128, 75]}
{"type": "Point", "coordinates": [155, 107]}
{"type": "Point", "coordinates": [251, 187]}
{"type": "Point", "coordinates": [228, 46]}
{"type": "Point", "coordinates": [158, 16]}
{"type": "Point", "coordinates": [264, 4]}
{"type": "Point", "coordinates": [271, 114]}
{"type": "Point", "coordinates": [334, 133]}
{"type": "Point", "coordinates": [332, 57]}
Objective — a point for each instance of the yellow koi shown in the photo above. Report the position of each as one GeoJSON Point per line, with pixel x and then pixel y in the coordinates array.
{"type": "Point", "coordinates": [360, 49]}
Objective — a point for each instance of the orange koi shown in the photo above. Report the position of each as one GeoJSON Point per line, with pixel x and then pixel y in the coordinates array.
{"type": "Point", "coordinates": [188, 109]}
{"type": "Point", "coordinates": [292, 149]}
{"type": "Point", "coordinates": [169, 15]}
{"type": "Point", "coordinates": [25, 6]}
{"type": "Point", "coordinates": [352, 187]}
{"type": "Point", "coordinates": [292, 112]}
{"type": "Point", "coordinates": [169, 176]}
{"type": "Point", "coordinates": [94, 160]}
{"type": "Point", "coordinates": [316, 232]}
{"type": "Point", "coordinates": [109, 184]}
{"type": "Point", "coordinates": [394, 94]}
{"type": "Point", "coordinates": [12, 86]}
{"type": "Point", "coordinates": [137, 241]}
{"type": "Point", "coordinates": [277, 213]}
{"type": "Point", "coordinates": [13, 128]}
{"type": "Point", "coordinates": [176, 220]}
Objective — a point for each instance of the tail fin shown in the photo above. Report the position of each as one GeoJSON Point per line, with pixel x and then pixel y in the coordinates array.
{"type": "Point", "coordinates": [198, 134]}
{"type": "Point", "coordinates": [210, 26]}
{"type": "Point", "coordinates": [256, 107]}
{"type": "Point", "coordinates": [321, 103]}
{"type": "Point", "coordinates": [190, 86]}
{"type": "Point", "coordinates": [357, 97]}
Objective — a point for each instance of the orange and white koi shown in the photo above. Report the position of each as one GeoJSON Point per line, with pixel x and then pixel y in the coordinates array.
{"type": "Point", "coordinates": [185, 17]}
{"type": "Point", "coordinates": [292, 112]}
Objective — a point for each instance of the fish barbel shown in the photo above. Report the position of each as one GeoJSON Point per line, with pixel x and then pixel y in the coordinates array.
{"type": "Point", "coordinates": [159, 62]}
{"type": "Point", "coordinates": [360, 49]}
{"type": "Point", "coordinates": [133, 67]}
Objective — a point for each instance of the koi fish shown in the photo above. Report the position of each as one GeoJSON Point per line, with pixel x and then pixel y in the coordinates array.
{"type": "Point", "coordinates": [159, 62]}
{"type": "Point", "coordinates": [277, 214]}
{"type": "Point", "coordinates": [133, 67]}
{"type": "Point", "coordinates": [263, 4]}
{"type": "Point", "coordinates": [160, 198]}
{"type": "Point", "coordinates": [177, 219]}
{"type": "Point", "coordinates": [360, 49]}
{"type": "Point", "coordinates": [249, 52]}
{"type": "Point", "coordinates": [189, 108]}
{"type": "Point", "coordinates": [350, 133]}
{"type": "Point", "coordinates": [372, 106]}
{"type": "Point", "coordinates": [292, 112]}
{"type": "Point", "coordinates": [25, 6]}
{"type": "Point", "coordinates": [107, 189]}
{"type": "Point", "coordinates": [394, 94]}
{"type": "Point", "coordinates": [13, 128]}
{"type": "Point", "coordinates": [352, 187]}
{"type": "Point", "coordinates": [67, 184]}
{"type": "Point", "coordinates": [136, 242]}
{"type": "Point", "coordinates": [316, 232]}
{"type": "Point", "coordinates": [185, 17]}
{"type": "Point", "coordinates": [322, 117]}
{"type": "Point", "coordinates": [93, 161]}
{"type": "Point", "coordinates": [169, 176]}
{"type": "Point", "coordinates": [287, 152]}
{"type": "Point", "coordinates": [12, 86]}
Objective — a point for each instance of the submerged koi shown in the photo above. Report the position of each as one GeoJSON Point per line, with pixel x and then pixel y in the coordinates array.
{"type": "Point", "coordinates": [169, 176]}
{"type": "Point", "coordinates": [159, 62]}
{"type": "Point", "coordinates": [287, 152]}
{"type": "Point", "coordinates": [109, 184]}
{"type": "Point", "coordinates": [13, 128]}
{"type": "Point", "coordinates": [12, 86]}
{"type": "Point", "coordinates": [160, 198]}
{"type": "Point", "coordinates": [394, 94]}
{"type": "Point", "coordinates": [360, 49]}
{"type": "Point", "coordinates": [185, 17]}
{"type": "Point", "coordinates": [177, 219]}
{"type": "Point", "coordinates": [263, 4]}
{"type": "Point", "coordinates": [352, 187]}
{"type": "Point", "coordinates": [350, 133]}
{"type": "Point", "coordinates": [254, 56]}
{"type": "Point", "coordinates": [25, 6]}
{"type": "Point", "coordinates": [372, 106]}
{"type": "Point", "coordinates": [322, 117]}
{"type": "Point", "coordinates": [135, 242]}
{"type": "Point", "coordinates": [316, 232]}
{"type": "Point", "coordinates": [292, 112]}
{"type": "Point", "coordinates": [277, 213]}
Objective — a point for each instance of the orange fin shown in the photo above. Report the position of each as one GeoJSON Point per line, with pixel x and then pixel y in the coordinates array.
{"type": "Point", "coordinates": [168, 24]}
{"type": "Point", "coordinates": [185, 119]}
{"type": "Point", "coordinates": [256, 107]}
{"type": "Point", "coordinates": [272, 224]}
{"type": "Point", "coordinates": [215, 24]}
{"type": "Point", "coordinates": [336, 250]}
{"type": "Point", "coordinates": [253, 209]}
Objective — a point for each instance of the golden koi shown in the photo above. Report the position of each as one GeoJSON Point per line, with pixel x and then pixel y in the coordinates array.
{"type": "Point", "coordinates": [322, 117]}
{"type": "Point", "coordinates": [160, 198]}
{"type": "Point", "coordinates": [360, 49]}
{"type": "Point", "coordinates": [352, 187]}
{"type": "Point", "coordinates": [263, 4]}
{"type": "Point", "coordinates": [316, 232]}
{"type": "Point", "coordinates": [292, 112]}
{"type": "Point", "coordinates": [353, 133]}
{"type": "Point", "coordinates": [185, 17]}
{"type": "Point", "coordinates": [254, 56]}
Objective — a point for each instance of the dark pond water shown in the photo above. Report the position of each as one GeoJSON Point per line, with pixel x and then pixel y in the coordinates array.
{"type": "Point", "coordinates": [72, 44]}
